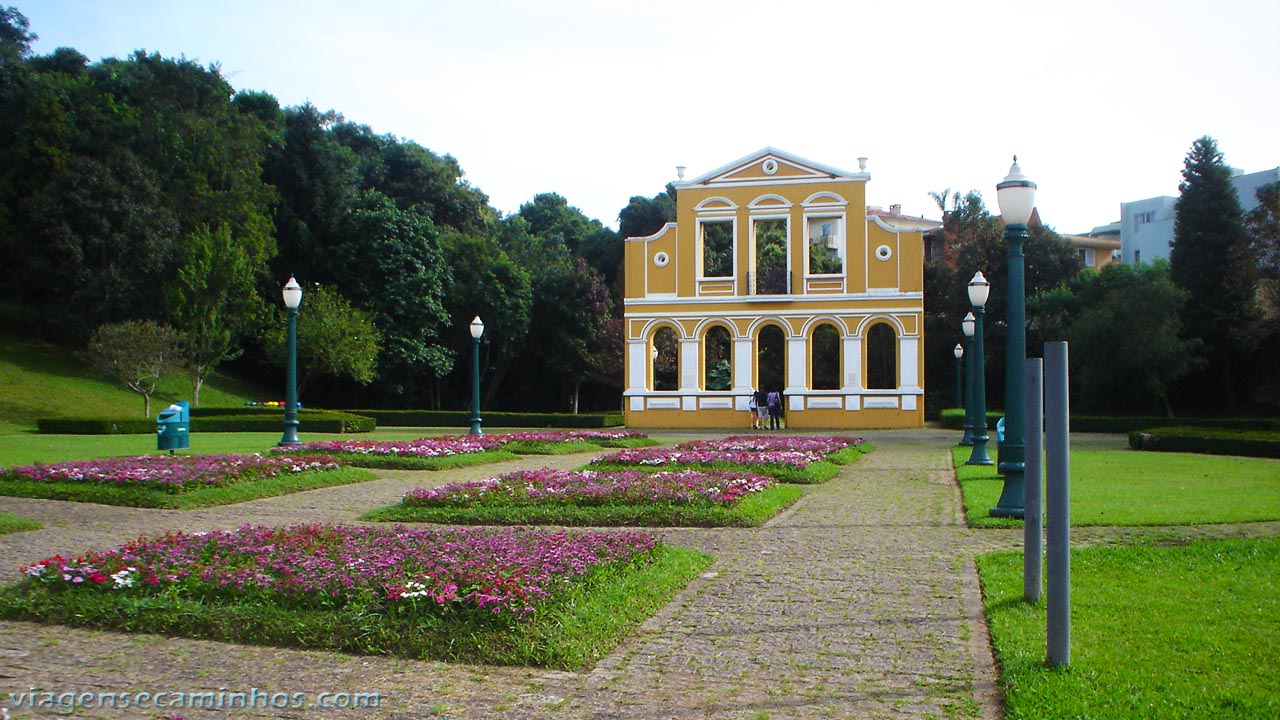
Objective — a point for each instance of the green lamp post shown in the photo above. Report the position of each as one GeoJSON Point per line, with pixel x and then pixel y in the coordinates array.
{"type": "Point", "coordinates": [1017, 198]}
{"type": "Point", "coordinates": [292, 299]}
{"type": "Point", "coordinates": [979, 290]}
{"type": "Point", "coordinates": [967, 325]}
{"type": "Point", "coordinates": [958, 352]}
{"type": "Point", "coordinates": [477, 330]}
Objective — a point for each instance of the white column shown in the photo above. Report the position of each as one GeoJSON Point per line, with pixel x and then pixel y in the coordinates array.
{"type": "Point", "coordinates": [909, 364]}
{"type": "Point", "coordinates": [852, 365]}
{"type": "Point", "coordinates": [742, 367]}
{"type": "Point", "coordinates": [638, 358]}
{"type": "Point", "coordinates": [796, 371]}
{"type": "Point", "coordinates": [689, 371]}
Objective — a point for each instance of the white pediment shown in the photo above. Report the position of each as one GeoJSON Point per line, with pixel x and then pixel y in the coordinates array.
{"type": "Point", "coordinates": [772, 166]}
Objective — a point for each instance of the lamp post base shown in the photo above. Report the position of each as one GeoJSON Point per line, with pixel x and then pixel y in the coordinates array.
{"type": "Point", "coordinates": [1011, 503]}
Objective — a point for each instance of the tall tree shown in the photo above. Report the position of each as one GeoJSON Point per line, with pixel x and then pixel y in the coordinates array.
{"type": "Point", "coordinates": [15, 36]}
{"type": "Point", "coordinates": [1212, 260]}
{"type": "Point", "coordinates": [1127, 345]}
{"type": "Point", "coordinates": [212, 300]}
{"type": "Point", "coordinates": [335, 339]}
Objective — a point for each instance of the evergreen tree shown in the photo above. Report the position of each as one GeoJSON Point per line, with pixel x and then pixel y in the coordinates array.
{"type": "Point", "coordinates": [1212, 260]}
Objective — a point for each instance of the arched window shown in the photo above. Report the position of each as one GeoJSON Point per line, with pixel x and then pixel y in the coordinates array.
{"type": "Point", "coordinates": [772, 276]}
{"type": "Point", "coordinates": [666, 360]}
{"type": "Point", "coordinates": [824, 354]}
{"type": "Point", "coordinates": [717, 353]}
{"type": "Point", "coordinates": [882, 357]}
{"type": "Point", "coordinates": [771, 359]}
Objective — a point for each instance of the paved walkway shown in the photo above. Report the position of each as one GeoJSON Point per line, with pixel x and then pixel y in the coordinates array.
{"type": "Point", "coordinates": [860, 602]}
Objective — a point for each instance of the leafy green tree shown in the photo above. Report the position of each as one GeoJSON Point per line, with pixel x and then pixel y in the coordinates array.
{"type": "Point", "coordinates": [212, 300]}
{"type": "Point", "coordinates": [1212, 260]}
{"type": "Point", "coordinates": [1127, 346]}
{"type": "Point", "coordinates": [1263, 226]}
{"type": "Point", "coordinates": [974, 241]}
{"type": "Point", "coordinates": [335, 339]}
{"type": "Point", "coordinates": [15, 36]}
{"type": "Point", "coordinates": [489, 283]}
{"type": "Point", "coordinates": [390, 263]}
{"type": "Point", "coordinates": [136, 354]}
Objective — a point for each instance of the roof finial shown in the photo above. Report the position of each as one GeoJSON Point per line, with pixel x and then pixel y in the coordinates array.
{"type": "Point", "coordinates": [1015, 158]}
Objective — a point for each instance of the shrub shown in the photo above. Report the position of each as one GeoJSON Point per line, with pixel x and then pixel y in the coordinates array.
{"type": "Point", "coordinates": [462, 418]}
{"type": "Point", "coordinates": [1208, 441]}
{"type": "Point", "coordinates": [239, 420]}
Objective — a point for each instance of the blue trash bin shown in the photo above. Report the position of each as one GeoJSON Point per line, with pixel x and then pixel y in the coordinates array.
{"type": "Point", "coordinates": [173, 427]}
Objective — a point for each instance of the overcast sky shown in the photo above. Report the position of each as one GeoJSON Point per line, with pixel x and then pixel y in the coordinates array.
{"type": "Point", "coordinates": [599, 100]}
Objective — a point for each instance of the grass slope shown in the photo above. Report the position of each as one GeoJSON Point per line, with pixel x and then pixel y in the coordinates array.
{"type": "Point", "coordinates": [40, 379]}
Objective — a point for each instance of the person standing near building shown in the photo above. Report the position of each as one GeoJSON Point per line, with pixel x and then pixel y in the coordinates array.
{"type": "Point", "coordinates": [760, 416]}
{"type": "Point", "coordinates": [775, 409]}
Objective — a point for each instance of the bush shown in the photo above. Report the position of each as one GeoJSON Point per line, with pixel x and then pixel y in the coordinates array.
{"type": "Point", "coordinates": [235, 420]}
{"type": "Point", "coordinates": [1099, 424]}
{"type": "Point", "coordinates": [462, 418]}
{"type": "Point", "coordinates": [1207, 441]}
{"type": "Point", "coordinates": [953, 418]}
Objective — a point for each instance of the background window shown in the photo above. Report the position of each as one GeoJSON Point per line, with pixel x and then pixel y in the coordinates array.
{"type": "Point", "coordinates": [717, 359]}
{"type": "Point", "coordinates": [882, 358]}
{"type": "Point", "coordinates": [825, 358]}
{"type": "Point", "coordinates": [825, 243]}
{"type": "Point", "coordinates": [717, 249]}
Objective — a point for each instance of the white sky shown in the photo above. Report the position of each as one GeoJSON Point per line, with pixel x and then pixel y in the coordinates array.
{"type": "Point", "coordinates": [599, 100]}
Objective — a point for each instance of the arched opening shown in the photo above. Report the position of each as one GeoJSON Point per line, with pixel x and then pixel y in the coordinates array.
{"type": "Point", "coordinates": [717, 354]}
{"type": "Point", "coordinates": [666, 360]}
{"type": "Point", "coordinates": [882, 357]}
{"type": "Point", "coordinates": [824, 353]}
{"type": "Point", "coordinates": [771, 359]}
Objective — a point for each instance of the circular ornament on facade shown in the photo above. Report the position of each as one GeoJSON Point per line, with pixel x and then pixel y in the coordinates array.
{"type": "Point", "coordinates": [884, 252]}
{"type": "Point", "coordinates": [661, 259]}
{"type": "Point", "coordinates": [770, 166]}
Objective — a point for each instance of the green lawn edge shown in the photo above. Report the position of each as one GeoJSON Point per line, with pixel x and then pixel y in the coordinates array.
{"type": "Point", "coordinates": [575, 628]}
{"type": "Point", "coordinates": [145, 497]}
{"type": "Point", "coordinates": [443, 462]}
{"type": "Point", "coordinates": [750, 511]}
{"type": "Point", "coordinates": [814, 474]}
{"type": "Point", "coordinates": [12, 523]}
{"type": "Point", "coordinates": [1157, 632]}
{"type": "Point", "coordinates": [1123, 488]}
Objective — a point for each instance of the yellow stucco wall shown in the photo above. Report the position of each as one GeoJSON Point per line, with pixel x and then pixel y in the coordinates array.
{"type": "Point", "coordinates": [882, 281]}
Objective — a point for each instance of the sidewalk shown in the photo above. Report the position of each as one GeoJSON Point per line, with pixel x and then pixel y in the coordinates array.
{"type": "Point", "coordinates": [859, 602]}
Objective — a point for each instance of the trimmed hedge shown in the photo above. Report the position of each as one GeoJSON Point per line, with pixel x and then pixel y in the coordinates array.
{"type": "Point", "coordinates": [953, 418]}
{"type": "Point", "coordinates": [214, 420]}
{"type": "Point", "coordinates": [462, 418]}
{"type": "Point", "coordinates": [1207, 441]}
{"type": "Point", "coordinates": [1094, 424]}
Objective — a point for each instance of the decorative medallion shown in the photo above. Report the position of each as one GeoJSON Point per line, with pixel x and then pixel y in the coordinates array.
{"type": "Point", "coordinates": [661, 259]}
{"type": "Point", "coordinates": [883, 253]}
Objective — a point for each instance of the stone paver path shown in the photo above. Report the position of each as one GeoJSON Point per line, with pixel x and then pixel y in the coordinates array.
{"type": "Point", "coordinates": [859, 602]}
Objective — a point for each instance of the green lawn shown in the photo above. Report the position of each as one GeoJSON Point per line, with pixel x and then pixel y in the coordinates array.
{"type": "Point", "coordinates": [26, 449]}
{"type": "Point", "coordinates": [1125, 487]}
{"type": "Point", "coordinates": [1156, 632]}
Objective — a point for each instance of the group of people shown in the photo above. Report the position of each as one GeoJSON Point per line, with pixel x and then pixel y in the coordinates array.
{"type": "Point", "coordinates": [766, 410]}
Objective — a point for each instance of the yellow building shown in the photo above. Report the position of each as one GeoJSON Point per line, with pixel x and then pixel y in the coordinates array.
{"type": "Point", "coordinates": [774, 277]}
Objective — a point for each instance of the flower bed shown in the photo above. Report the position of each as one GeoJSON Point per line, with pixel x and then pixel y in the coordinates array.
{"type": "Point", "coordinates": [791, 466]}
{"type": "Point", "coordinates": [591, 497]}
{"type": "Point", "coordinates": [507, 570]}
{"type": "Point", "coordinates": [428, 592]}
{"type": "Point", "coordinates": [176, 481]}
{"type": "Point", "coordinates": [170, 473]}
{"type": "Point", "coordinates": [451, 451]}
{"type": "Point", "coordinates": [823, 445]}
{"type": "Point", "coordinates": [595, 487]}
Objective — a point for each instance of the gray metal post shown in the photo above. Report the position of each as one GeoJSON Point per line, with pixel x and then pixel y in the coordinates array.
{"type": "Point", "coordinates": [1057, 428]}
{"type": "Point", "coordinates": [1033, 519]}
